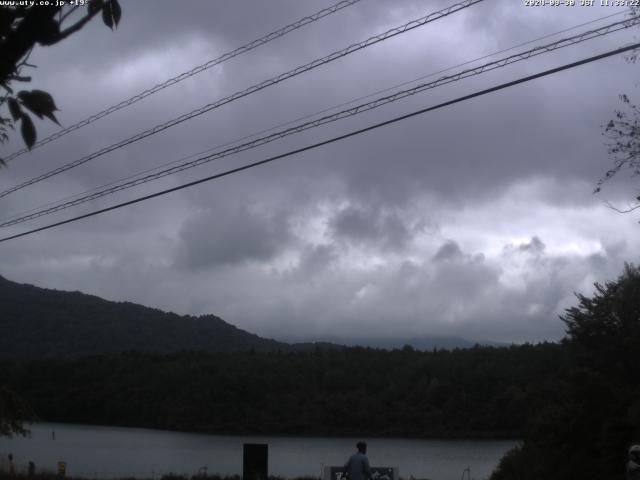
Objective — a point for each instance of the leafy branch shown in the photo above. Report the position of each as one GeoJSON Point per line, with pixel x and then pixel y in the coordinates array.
{"type": "Point", "coordinates": [21, 29]}
{"type": "Point", "coordinates": [623, 142]}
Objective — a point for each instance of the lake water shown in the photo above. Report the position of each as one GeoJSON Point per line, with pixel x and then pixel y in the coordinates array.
{"type": "Point", "coordinates": [108, 452]}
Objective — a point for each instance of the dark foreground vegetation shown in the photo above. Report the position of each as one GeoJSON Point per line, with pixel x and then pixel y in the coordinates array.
{"type": "Point", "coordinates": [44, 475]}
{"type": "Point", "coordinates": [593, 416]}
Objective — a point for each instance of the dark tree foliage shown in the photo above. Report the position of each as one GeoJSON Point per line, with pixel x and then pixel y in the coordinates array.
{"type": "Point", "coordinates": [22, 27]}
{"type": "Point", "coordinates": [604, 330]}
{"type": "Point", "coordinates": [13, 413]}
{"type": "Point", "coordinates": [483, 392]}
{"type": "Point", "coordinates": [623, 135]}
{"type": "Point", "coordinates": [586, 430]}
{"type": "Point", "coordinates": [201, 475]}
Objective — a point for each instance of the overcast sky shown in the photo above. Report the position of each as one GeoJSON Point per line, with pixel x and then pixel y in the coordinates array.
{"type": "Point", "coordinates": [475, 220]}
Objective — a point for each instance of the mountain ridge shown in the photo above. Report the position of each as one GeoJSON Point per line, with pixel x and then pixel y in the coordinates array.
{"type": "Point", "coordinates": [47, 323]}
{"type": "Point", "coordinates": [41, 323]}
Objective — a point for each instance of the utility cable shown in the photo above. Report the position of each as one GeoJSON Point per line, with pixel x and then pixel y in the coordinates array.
{"type": "Point", "coordinates": [333, 139]}
{"type": "Point", "coordinates": [194, 71]}
{"type": "Point", "coordinates": [306, 117]}
{"type": "Point", "coordinates": [255, 88]}
{"type": "Point", "coordinates": [581, 37]}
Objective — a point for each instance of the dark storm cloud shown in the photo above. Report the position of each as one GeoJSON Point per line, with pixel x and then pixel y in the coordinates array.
{"type": "Point", "coordinates": [535, 246]}
{"type": "Point", "coordinates": [448, 250]}
{"type": "Point", "coordinates": [460, 275]}
{"type": "Point", "coordinates": [225, 236]}
{"type": "Point", "coordinates": [367, 225]}
{"type": "Point", "coordinates": [315, 259]}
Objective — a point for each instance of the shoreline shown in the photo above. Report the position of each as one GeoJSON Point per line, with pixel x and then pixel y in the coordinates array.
{"type": "Point", "coordinates": [118, 453]}
{"type": "Point", "coordinates": [49, 475]}
{"type": "Point", "coordinates": [235, 433]}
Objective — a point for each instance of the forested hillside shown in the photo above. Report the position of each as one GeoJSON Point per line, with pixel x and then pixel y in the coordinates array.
{"type": "Point", "coordinates": [43, 323]}
{"type": "Point", "coordinates": [479, 392]}
{"type": "Point", "coordinates": [39, 323]}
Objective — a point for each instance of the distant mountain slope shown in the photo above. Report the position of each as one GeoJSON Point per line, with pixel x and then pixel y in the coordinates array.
{"type": "Point", "coordinates": [40, 323]}
{"type": "Point", "coordinates": [425, 342]}
{"type": "Point", "coordinates": [37, 323]}
{"type": "Point", "coordinates": [421, 343]}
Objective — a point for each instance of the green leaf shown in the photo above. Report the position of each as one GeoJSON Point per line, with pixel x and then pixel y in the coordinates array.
{"type": "Point", "coordinates": [117, 12]}
{"type": "Point", "coordinates": [52, 117]}
{"type": "Point", "coordinates": [111, 13]}
{"type": "Point", "coordinates": [28, 130]}
{"type": "Point", "coordinates": [107, 15]}
{"type": "Point", "coordinates": [39, 102]}
{"type": "Point", "coordinates": [14, 108]}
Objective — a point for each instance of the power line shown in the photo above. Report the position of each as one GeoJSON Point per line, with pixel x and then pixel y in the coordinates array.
{"type": "Point", "coordinates": [311, 115]}
{"type": "Point", "coordinates": [255, 88]}
{"type": "Point", "coordinates": [581, 37]}
{"type": "Point", "coordinates": [194, 71]}
{"type": "Point", "coordinates": [334, 139]}
{"type": "Point", "coordinates": [330, 118]}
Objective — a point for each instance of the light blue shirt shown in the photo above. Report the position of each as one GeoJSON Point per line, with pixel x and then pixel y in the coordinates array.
{"type": "Point", "coordinates": [357, 467]}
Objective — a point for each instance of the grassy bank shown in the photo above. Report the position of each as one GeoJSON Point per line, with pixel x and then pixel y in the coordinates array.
{"type": "Point", "coordinates": [46, 475]}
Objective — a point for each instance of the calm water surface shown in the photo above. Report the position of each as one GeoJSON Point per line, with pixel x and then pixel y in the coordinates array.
{"type": "Point", "coordinates": [106, 452]}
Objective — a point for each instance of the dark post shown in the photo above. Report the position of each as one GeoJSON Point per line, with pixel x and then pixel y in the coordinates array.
{"type": "Point", "coordinates": [62, 469]}
{"type": "Point", "coordinates": [255, 461]}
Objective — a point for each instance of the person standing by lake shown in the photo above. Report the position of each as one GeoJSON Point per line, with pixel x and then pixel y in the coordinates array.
{"type": "Point", "coordinates": [357, 467]}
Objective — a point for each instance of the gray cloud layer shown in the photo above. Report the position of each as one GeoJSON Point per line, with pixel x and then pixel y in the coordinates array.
{"type": "Point", "coordinates": [476, 220]}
